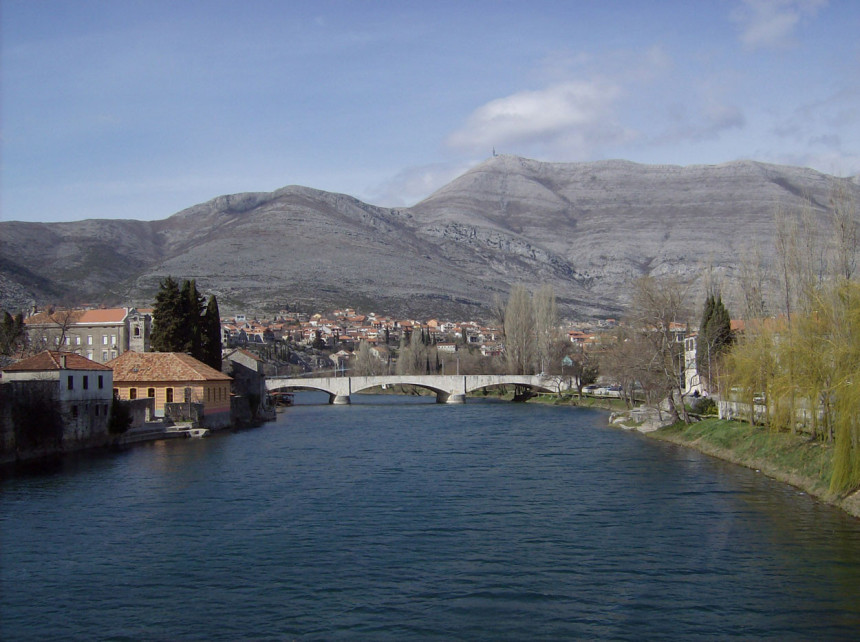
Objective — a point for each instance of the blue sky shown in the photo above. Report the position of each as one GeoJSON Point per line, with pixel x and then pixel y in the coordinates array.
{"type": "Point", "coordinates": [138, 109]}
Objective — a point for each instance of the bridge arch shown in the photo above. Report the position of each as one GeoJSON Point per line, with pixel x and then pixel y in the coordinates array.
{"type": "Point", "coordinates": [533, 382]}
{"type": "Point", "coordinates": [448, 388]}
{"type": "Point", "coordinates": [404, 380]}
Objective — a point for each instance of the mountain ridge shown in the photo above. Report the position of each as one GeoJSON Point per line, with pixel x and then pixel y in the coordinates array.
{"type": "Point", "coordinates": [586, 228]}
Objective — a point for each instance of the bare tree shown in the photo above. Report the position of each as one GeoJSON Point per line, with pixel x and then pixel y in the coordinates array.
{"type": "Point", "coordinates": [786, 233]}
{"type": "Point", "coordinates": [366, 364]}
{"type": "Point", "coordinates": [519, 331]}
{"type": "Point", "coordinates": [545, 326]}
{"type": "Point", "coordinates": [845, 233]}
{"type": "Point", "coordinates": [415, 358]}
{"type": "Point", "coordinates": [753, 284]}
{"type": "Point", "coordinates": [660, 314]}
{"type": "Point", "coordinates": [583, 369]}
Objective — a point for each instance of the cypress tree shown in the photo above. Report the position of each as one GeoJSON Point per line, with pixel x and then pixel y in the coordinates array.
{"type": "Point", "coordinates": [212, 334]}
{"type": "Point", "coordinates": [715, 334]}
{"type": "Point", "coordinates": [168, 332]}
{"type": "Point", "coordinates": [192, 313]}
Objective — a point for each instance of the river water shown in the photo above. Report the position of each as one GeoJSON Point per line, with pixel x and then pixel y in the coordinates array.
{"type": "Point", "coordinates": [396, 519]}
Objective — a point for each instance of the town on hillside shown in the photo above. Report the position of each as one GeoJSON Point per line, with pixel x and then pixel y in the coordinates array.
{"type": "Point", "coordinates": [83, 359]}
{"type": "Point", "coordinates": [119, 375]}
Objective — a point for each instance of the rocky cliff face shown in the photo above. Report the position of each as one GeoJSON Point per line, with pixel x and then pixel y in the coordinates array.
{"type": "Point", "coordinates": [588, 229]}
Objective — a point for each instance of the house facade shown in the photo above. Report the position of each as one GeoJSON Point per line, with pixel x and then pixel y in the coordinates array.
{"type": "Point", "coordinates": [99, 335]}
{"type": "Point", "coordinates": [173, 378]}
{"type": "Point", "coordinates": [82, 388]}
{"type": "Point", "coordinates": [249, 381]}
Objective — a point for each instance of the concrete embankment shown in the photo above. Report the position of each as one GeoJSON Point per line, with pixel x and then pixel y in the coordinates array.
{"type": "Point", "coordinates": [794, 459]}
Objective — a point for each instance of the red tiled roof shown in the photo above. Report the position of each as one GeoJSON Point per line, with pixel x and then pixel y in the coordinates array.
{"type": "Point", "coordinates": [134, 366]}
{"type": "Point", "coordinates": [53, 360]}
{"type": "Point", "coordinates": [109, 315]}
{"type": "Point", "coordinates": [58, 317]}
{"type": "Point", "coordinates": [65, 317]}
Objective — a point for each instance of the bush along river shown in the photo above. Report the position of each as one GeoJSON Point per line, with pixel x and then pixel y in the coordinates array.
{"type": "Point", "coordinates": [396, 518]}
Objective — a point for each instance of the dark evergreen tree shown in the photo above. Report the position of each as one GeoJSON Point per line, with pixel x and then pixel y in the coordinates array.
{"type": "Point", "coordinates": [168, 322]}
{"type": "Point", "coordinates": [192, 312]}
{"type": "Point", "coordinates": [715, 335]}
{"type": "Point", "coordinates": [212, 334]}
{"type": "Point", "coordinates": [12, 334]}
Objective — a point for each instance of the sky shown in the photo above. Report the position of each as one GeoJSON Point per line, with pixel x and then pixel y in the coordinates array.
{"type": "Point", "coordinates": [140, 108]}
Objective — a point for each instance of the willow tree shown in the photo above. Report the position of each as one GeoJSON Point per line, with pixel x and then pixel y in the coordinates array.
{"type": "Point", "coordinates": [750, 367]}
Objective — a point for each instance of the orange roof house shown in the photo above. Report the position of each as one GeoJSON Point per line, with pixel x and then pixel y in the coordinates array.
{"type": "Point", "coordinates": [173, 377]}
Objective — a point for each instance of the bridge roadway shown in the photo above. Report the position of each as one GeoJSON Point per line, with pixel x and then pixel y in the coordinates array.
{"type": "Point", "coordinates": [448, 388]}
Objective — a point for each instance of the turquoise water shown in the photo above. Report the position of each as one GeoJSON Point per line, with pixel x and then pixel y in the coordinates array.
{"type": "Point", "coordinates": [395, 518]}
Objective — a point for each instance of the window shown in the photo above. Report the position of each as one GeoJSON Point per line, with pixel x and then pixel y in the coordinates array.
{"type": "Point", "coordinates": [70, 382]}
{"type": "Point", "coordinates": [116, 393]}
{"type": "Point", "coordinates": [89, 339]}
{"type": "Point", "coordinates": [104, 355]}
{"type": "Point", "coordinates": [113, 354]}
{"type": "Point", "coordinates": [78, 340]}
{"type": "Point", "coordinates": [97, 410]}
{"type": "Point", "coordinates": [169, 395]}
{"type": "Point", "coordinates": [113, 339]}
{"type": "Point", "coordinates": [137, 330]}
{"type": "Point", "coordinates": [101, 382]}
{"type": "Point", "coordinates": [86, 382]}
{"type": "Point", "coordinates": [150, 392]}
{"type": "Point", "coordinates": [68, 341]}
{"type": "Point", "coordinates": [90, 355]}
{"type": "Point", "coordinates": [132, 393]}
{"type": "Point", "coordinates": [104, 339]}
{"type": "Point", "coordinates": [74, 411]}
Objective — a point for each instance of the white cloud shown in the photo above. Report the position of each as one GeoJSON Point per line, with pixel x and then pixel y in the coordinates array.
{"type": "Point", "coordinates": [771, 23]}
{"type": "Point", "coordinates": [573, 115]}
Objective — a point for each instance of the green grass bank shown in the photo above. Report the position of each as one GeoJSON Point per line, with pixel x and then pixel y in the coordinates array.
{"type": "Point", "coordinates": [793, 459]}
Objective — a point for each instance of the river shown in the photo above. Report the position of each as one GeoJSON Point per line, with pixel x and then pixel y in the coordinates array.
{"type": "Point", "coordinates": [397, 518]}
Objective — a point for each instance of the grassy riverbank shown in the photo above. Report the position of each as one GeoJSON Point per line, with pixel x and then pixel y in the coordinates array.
{"type": "Point", "coordinates": [603, 403]}
{"type": "Point", "coordinates": [792, 459]}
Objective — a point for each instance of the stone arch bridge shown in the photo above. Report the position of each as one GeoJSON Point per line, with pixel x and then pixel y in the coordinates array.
{"type": "Point", "coordinates": [448, 388]}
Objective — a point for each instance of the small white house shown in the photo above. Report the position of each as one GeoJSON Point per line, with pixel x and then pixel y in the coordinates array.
{"type": "Point", "coordinates": [83, 388]}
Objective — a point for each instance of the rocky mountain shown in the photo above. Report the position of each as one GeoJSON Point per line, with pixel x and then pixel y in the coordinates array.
{"type": "Point", "coordinates": [589, 229]}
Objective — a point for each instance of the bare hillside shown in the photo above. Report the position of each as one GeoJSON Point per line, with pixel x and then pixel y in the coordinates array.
{"type": "Point", "coordinates": [589, 229]}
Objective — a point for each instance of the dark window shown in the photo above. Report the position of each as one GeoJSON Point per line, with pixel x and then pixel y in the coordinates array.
{"type": "Point", "coordinates": [70, 382]}
{"type": "Point", "coordinates": [169, 396]}
{"type": "Point", "coordinates": [150, 392]}
{"type": "Point", "coordinates": [74, 411]}
{"type": "Point", "coordinates": [97, 410]}
{"type": "Point", "coordinates": [136, 331]}
{"type": "Point", "coordinates": [86, 382]}
{"type": "Point", "coordinates": [101, 382]}
{"type": "Point", "coordinates": [132, 393]}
